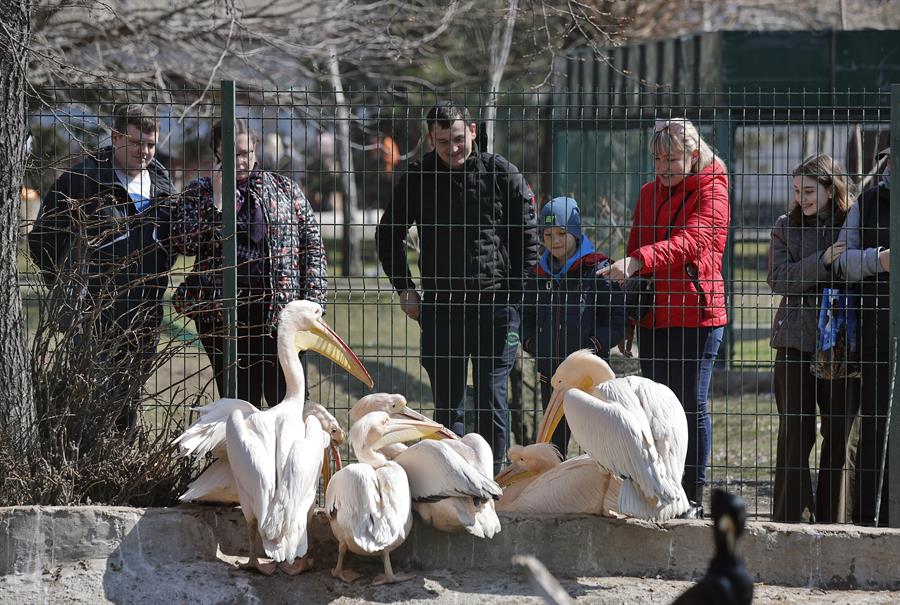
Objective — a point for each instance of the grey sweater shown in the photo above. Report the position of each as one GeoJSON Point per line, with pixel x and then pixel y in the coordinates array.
{"type": "Point", "coordinates": [856, 263]}
{"type": "Point", "coordinates": [798, 273]}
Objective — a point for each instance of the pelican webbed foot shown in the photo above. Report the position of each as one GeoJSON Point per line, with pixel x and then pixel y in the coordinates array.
{"type": "Point", "coordinates": [254, 564]}
{"type": "Point", "coordinates": [297, 567]}
{"type": "Point", "coordinates": [393, 579]}
{"type": "Point", "coordinates": [389, 576]}
{"type": "Point", "coordinates": [345, 575]}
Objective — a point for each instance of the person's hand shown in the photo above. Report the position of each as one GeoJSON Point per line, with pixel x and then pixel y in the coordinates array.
{"type": "Point", "coordinates": [410, 302]}
{"type": "Point", "coordinates": [626, 343]}
{"type": "Point", "coordinates": [884, 257]}
{"type": "Point", "coordinates": [621, 270]}
{"type": "Point", "coordinates": [833, 252]}
{"type": "Point", "coordinates": [217, 186]}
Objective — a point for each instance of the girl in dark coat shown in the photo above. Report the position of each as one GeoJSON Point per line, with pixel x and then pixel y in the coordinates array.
{"type": "Point", "coordinates": [801, 252]}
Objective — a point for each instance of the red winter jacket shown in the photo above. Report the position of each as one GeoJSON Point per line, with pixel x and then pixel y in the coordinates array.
{"type": "Point", "coordinates": [696, 246]}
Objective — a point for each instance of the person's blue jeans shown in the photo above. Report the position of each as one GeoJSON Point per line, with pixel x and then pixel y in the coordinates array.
{"type": "Point", "coordinates": [682, 359]}
{"type": "Point", "coordinates": [489, 336]}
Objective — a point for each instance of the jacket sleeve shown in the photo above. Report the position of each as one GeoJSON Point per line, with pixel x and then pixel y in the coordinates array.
{"type": "Point", "coordinates": [528, 328]}
{"type": "Point", "coordinates": [787, 276]}
{"type": "Point", "coordinates": [856, 263]}
{"type": "Point", "coordinates": [312, 250]}
{"type": "Point", "coordinates": [610, 319]}
{"type": "Point", "coordinates": [51, 235]}
{"type": "Point", "coordinates": [186, 227]}
{"type": "Point", "coordinates": [688, 243]}
{"type": "Point", "coordinates": [521, 239]}
{"type": "Point", "coordinates": [390, 236]}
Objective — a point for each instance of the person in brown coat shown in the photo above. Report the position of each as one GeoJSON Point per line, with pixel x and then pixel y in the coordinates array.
{"type": "Point", "coordinates": [803, 247]}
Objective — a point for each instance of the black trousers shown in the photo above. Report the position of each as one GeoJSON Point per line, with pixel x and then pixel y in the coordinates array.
{"type": "Point", "coordinates": [875, 388]}
{"type": "Point", "coordinates": [259, 372]}
{"type": "Point", "coordinates": [797, 394]}
{"type": "Point", "coordinates": [488, 335]}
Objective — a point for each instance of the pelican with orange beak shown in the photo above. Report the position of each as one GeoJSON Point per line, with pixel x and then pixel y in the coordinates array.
{"type": "Point", "coordinates": [272, 459]}
{"type": "Point", "coordinates": [368, 503]}
{"type": "Point", "coordinates": [633, 427]}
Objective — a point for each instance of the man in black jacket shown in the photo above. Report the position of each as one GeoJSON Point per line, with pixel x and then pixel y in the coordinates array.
{"type": "Point", "coordinates": [478, 238]}
{"type": "Point", "coordinates": [102, 233]}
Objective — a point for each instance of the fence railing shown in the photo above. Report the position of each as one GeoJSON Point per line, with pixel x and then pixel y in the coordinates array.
{"type": "Point", "coordinates": [569, 144]}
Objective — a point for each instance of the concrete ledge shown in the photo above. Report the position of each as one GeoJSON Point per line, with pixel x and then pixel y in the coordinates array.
{"type": "Point", "coordinates": [35, 539]}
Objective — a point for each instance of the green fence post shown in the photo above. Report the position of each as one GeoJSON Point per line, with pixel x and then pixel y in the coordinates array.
{"type": "Point", "coordinates": [894, 428]}
{"type": "Point", "coordinates": [229, 244]}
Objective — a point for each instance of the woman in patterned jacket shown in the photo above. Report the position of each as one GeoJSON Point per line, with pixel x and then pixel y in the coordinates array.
{"type": "Point", "coordinates": [280, 258]}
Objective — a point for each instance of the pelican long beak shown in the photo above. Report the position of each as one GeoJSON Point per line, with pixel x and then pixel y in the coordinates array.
{"type": "Point", "coordinates": [324, 341]}
{"type": "Point", "coordinates": [409, 413]}
{"type": "Point", "coordinates": [552, 416]}
{"type": "Point", "coordinates": [511, 474]}
{"type": "Point", "coordinates": [331, 453]}
{"type": "Point", "coordinates": [398, 431]}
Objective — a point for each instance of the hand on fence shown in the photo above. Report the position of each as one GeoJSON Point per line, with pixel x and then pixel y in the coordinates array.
{"type": "Point", "coordinates": [627, 341]}
{"type": "Point", "coordinates": [833, 252]}
{"type": "Point", "coordinates": [621, 270]}
{"type": "Point", "coordinates": [884, 257]}
{"type": "Point", "coordinates": [217, 186]}
{"type": "Point", "coordinates": [409, 302]}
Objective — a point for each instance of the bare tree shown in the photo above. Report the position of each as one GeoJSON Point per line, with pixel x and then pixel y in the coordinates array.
{"type": "Point", "coordinates": [16, 396]}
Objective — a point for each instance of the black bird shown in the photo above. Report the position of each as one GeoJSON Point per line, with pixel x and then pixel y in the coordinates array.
{"type": "Point", "coordinates": [727, 581]}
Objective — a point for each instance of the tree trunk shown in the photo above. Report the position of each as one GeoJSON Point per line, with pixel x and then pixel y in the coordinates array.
{"type": "Point", "coordinates": [16, 396]}
{"type": "Point", "coordinates": [352, 262]}
{"type": "Point", "coordinates": [500, 46]}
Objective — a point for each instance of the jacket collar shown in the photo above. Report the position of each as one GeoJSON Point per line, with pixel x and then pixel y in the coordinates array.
{"type": "Point", "coordinates": [545, 264]}
{"type": "Point", "coordinates": [106, 173]}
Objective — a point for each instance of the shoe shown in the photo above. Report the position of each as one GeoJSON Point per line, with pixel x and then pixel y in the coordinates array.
{"type": "Point", "coordinates": [694, 512]}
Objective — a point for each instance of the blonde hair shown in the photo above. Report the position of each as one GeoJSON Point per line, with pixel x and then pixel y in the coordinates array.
{"type": "Point", "coordinates": [829, 173]}
{"type": "Point", "coordinates": [680, 134]}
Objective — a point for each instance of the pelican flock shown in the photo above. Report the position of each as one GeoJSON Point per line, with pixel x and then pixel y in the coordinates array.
{"type": "Point", "coordinates": [272, 459]}
{"type": "Point", "coordinates": [633, 427]}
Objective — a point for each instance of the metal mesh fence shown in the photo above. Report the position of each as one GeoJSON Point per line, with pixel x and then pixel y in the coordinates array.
{"type": "Point", "coordinates": [102, 260]}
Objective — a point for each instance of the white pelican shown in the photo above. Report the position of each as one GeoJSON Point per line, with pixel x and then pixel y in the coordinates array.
{"type": "Point", "coordinates": [449, 479]}
{"type": "Point", "coordinates": [633, 427]}
{"type": "Point", "coordinates": [368, 503]}
{"type": "Point", "coordinates": [273, 458]}
{"type": "Point", "coordinates": [538, 482]}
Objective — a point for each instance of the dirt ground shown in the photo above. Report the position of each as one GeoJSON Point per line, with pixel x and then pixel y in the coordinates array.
{"type": "Point", "coordinates": [220, 583]}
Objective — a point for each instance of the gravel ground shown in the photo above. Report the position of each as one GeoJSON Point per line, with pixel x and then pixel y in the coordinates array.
{"type": "Point", "coordinates": [219, 583]}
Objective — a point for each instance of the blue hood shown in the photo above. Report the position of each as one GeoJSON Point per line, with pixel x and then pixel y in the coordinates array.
{"type": "Point", "coordinates": [586, 248]}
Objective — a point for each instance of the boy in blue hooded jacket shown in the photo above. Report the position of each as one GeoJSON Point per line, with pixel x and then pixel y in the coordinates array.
{"type": "Point", "coordinates": [567, 306]}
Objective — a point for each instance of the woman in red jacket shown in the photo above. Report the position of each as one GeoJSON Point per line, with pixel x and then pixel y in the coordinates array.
{"type": "Point", "coordinates": [678, 238]}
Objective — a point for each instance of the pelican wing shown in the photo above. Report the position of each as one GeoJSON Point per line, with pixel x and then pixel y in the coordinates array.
{"type": "Point", "coordinates": [250, 446]}
{"type": "Point", "coordinates": [611, 426]}
{"type": "Point", "coordinates": [668, 423]}
{"type": "Point", "coordinates": [477, 452]}
{"type": "Point", "coordinates": [370, 507]}
{"type": "Point", "coordinates": [436, 471]}
{"type": "Point", "coordinates": [295, 493]}
{"type": "Point", "coordinates": [207, 433]}
{"type": "Point", "coordinates": [577, 486]}
{"type": "Point", "coordinates": [215, 484]}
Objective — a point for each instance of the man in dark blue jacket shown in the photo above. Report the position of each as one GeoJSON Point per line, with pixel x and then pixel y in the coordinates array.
{"type": "Point", "coordinates": [101, 240]}
{"type": "Point", "coordinates": [567, 306]}
{"type": "Point", "coordinates": [476, 221]}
